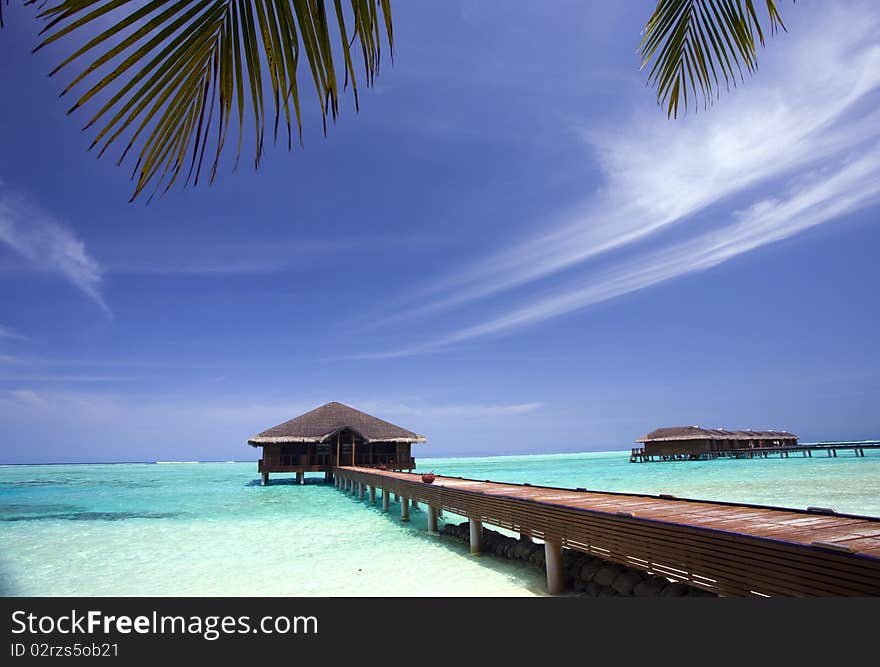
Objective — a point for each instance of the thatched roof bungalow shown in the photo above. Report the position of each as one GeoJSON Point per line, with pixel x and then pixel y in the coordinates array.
{"type": "Point", "coordinates": [334, 435]}
{"type": "Point", "coordinates": [694, 441]}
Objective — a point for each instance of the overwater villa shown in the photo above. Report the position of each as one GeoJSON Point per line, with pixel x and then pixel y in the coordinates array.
{"type": "Point", "coordinates": [334, 435]}
{"type": "Point", "coordinates": [693, 442]}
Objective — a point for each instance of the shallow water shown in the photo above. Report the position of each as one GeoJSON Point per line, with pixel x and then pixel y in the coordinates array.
{"type": "Point", "coordinates": [210, 529]}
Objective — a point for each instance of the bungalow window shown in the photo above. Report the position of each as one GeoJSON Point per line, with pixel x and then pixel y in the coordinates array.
{"type": "Point", "coordinates": [322, 454]}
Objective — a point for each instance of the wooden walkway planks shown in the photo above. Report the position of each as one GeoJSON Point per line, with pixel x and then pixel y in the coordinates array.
{"type": "Point", "coordinates": [729, 548]}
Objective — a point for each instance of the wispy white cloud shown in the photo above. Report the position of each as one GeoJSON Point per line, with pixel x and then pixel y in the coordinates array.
{"type": "Point", "coordinates": [806, 126]}
{"type": "Point", "coordinates": [54, 377]}
{"type": "Point", "coordinates": [659, 173]}
{"type": "Point", "coordinates": [199, 267]}
{"type": "Point", "coordinates": [462, 410]}
{"type": "Point", "coordinates": [27, 397]}
{"type": "Point", "coordinates": [178, 257]}
{"type": "Point", "coordinates": [258, 413]}
{"type": "Point", "coordinates": [6, 332]}
{"type": "Point", "coordinates": [766, 221]}
{"type": "Point", "coordinates": [48, 244]}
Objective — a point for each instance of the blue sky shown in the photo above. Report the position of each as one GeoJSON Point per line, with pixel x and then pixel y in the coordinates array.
{"type": "Point", "coordinates": [509, 249]}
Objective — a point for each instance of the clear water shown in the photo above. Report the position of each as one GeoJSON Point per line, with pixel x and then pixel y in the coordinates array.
{"type": "Point", "coordinates": [210, 529]}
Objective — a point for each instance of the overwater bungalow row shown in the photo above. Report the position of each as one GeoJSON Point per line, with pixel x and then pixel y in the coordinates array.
{"type": "Point", "coordinates": [330, 436]}
{"type": "Point", "coordinates": [694, 442]}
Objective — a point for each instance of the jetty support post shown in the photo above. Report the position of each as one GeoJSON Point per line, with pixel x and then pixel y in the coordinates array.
{"type": "Point", "coordinates": [264, 479]}
{"type": "Point", "coordinates": [432, 519]}
{"type": "Point", "coordinates": [300, 477]}
{"type": "Point", "coordinates": [476, 530]}
{"type": "Point", "coordinates": [386, 499]}
{"type": "Point", "coordinates": [404, 509]}
{"type": "Point", "coordinates": [372, 495]}
{"type": "Point", "coordinates": [363, 491]}
{"type": "Point", "coordinates": [555, 567]}
{"type": "Point", "coordinates": [415, 504]}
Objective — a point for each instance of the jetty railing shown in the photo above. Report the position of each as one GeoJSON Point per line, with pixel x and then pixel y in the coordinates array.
{"type": "Point", "coordinates": [726, 548]}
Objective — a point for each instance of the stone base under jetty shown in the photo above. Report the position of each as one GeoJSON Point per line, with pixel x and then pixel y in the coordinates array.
{"type": "Point", "coordinates": [586, 575]}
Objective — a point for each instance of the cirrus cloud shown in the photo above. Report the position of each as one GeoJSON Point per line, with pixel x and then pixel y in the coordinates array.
{"type": "Point", "coordinates": [48, 245]}
{"type": "Point", "coordinates": [795, 148]}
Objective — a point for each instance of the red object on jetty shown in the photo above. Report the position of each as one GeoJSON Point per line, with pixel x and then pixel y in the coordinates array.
{"type": "Point", "coordinates": [428, 478]}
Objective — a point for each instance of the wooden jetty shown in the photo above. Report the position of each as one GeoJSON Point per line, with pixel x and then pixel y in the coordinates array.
{"type": "Point", "coordinates": [727, 548]}
{"type": "Point", "coordinates": [806, 450]}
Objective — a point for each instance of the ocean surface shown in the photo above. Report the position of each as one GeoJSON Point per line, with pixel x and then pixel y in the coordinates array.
{"type": "Point", "coordinates": [210, 529]}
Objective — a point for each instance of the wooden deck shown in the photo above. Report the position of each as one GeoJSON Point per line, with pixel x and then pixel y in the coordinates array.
{"type": "Point", "coordinates": [731, 549]}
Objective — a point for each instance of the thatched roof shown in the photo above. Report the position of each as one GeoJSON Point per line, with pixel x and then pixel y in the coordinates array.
{"type": "Point", "coordinates": [322, 424]}
{"type": "Point", "coordinates": [696, 433]}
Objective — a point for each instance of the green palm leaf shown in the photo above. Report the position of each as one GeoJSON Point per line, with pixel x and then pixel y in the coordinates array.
{"type": "Point", "coordinates": [169, 78]}
{"type": "Point", "coordinates": [699, 45]}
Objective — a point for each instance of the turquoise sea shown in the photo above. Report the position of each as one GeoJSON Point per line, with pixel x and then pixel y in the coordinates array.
{"type": "Point", "coordinates": [210, 529]}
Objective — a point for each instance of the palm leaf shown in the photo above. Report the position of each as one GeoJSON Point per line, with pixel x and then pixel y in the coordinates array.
{"type": "Point", "coordinates": [1, 12]}
{"type": "Point", "coordinates": [171, 75]}
{"type": "Point", "coordinates": [699, 45]}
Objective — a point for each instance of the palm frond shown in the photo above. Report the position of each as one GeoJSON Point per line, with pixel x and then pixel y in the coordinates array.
{"type": "Point", "coordinates": [698, 46]}
{"type": "Point", "coordinates": [171, 75]}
